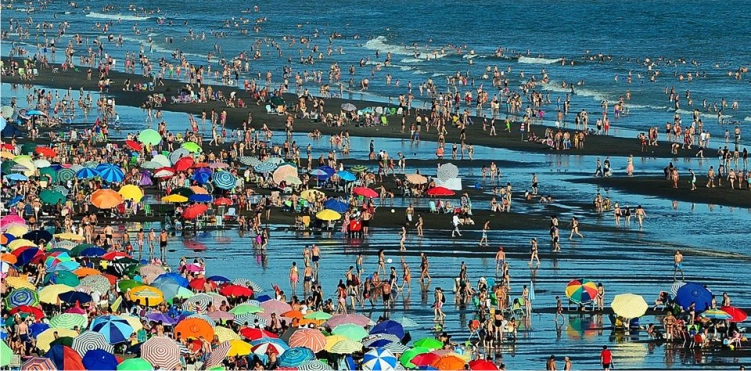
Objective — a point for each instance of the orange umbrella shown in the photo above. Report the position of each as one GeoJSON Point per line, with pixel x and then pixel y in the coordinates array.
{"type": "Point", "coordinates": [449, 363]}
{"type": "Point", "coordinates": [106, 198]}
{"type": "Point", "coordinates": [86, 271]}
{"type": "Point", "coordinates": [110, 278]}
{"type": "Point", "coordinates": [199, 190]}
{"type": "Point", "coordinates": [46, 151]}
{"type": "Point", "coordinates": [193, 328]}
{"type": "Point", "coordinates": [293, 314]}
{"type": "Point", "coordinates": [8, 258]}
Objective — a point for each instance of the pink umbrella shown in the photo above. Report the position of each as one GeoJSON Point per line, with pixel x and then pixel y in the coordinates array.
{"type": "Point", "coordinates": [10, 220]}
{"type": "Point", "coordinates": [192, 268]}
{"type": "Point", "coordinates": [219, 315]}
{"type": "Point", "coordinates": [76, 310]}
{"type": "Point", "coordinates": [275, 306]}
{"type": "Point", "coordinates": [344, 319]}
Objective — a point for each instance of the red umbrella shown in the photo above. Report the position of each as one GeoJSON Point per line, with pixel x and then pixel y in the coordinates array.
{"type": "Point", "coordinates": [223, 201]}
{"type": "Point", "coordinates": [46, 151]}
{"type": "Point", "coordinates": [199, 283]}
{"type": "Point", "coordinates": [738, 314]}
{"type": "Point", "coordinates": [236, 290]}
{"type": "Point", "coordinates": [482, 364]}
{"type": "Point", "coordinates": [164, 172]}
{"type": "Point", "coordinates": [440, 192]}
{"type": "Point", "coordinates": [8, 146]}
{"type": "Point", "coordinates": [134, 145]}
{"type": "Point", "coordinates": [425, 359]}
{"type": "Point", "coordinates": [114, 255]}
{"type": "Point", "coordinates": [200, 164]}
{"type": "Point", "coordinates": [184, 163]}
{"type": "Point", "coordinates": [37, 312]}
{"type": "Point", "coordinates": [365, 192]}
{"type": "Point", "coordinates": [256, 333]}
{"type": "Point", "coordinates": [194, 211]}
{"type": "Point", "coordinates": [110, 278]}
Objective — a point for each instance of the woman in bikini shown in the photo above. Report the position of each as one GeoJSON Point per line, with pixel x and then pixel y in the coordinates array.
{"type": "Point", "coordinates": [294, 277]}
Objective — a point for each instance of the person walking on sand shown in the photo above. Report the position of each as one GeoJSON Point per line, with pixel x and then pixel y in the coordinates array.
{"type": "Point", "coordinates": [418, 225]}
{"type": "Point", "coordinates": [456, 222]}
{"type": "Point", "coordinates": [693, 179]}
{"type": "Point", "coordinates": [485, 228]}
{"type": "Point", "coordinates": [500, 258]}
{"type": "Point", "coordinates": [575, 228]}
{"type": "Point", "coordinates": [534, 256]}
{"type": "Point", "coordinates": [606, 358]}
{"type": "Point", "coordinates": [559, 310]}
{"type": "Point", "coordinates": [678, 265]}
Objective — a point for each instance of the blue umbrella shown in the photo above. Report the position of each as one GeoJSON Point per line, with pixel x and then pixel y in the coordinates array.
{"type": "Point", "coordinates": [219, 279]}
{"type": "Point", "coordinates": [263, 298]}
{"type": "Point", "coordinates": [182, 281]}
{"type": "Point", "coordinates": [87, 173]}
{"type": "Point", "coordinates": [168, 286]}
{"type": "Point", "coordinates": [112, 174]}
{"type": "Point", "coordinates": [693, 292]}
{"type": "Point", "coordinates": [66, 266]}
{"type": "Point", "coordinates": [38, 328]}
{"type": "Point", "coordinates": [378, 359]}
{"type": "Point", "coordinates": [264, 167]}
{"type": "Point", "coordinates": [76, 296]}
{"type": "Point", "coordinates": [38, 235]}
{"type": "Point", "coordinates": [3, 123]}
{"type": "Point", "coordinates": [22, 296]}
{"type": "Point", "coordinates": [202, 175]}
{"type": "Point", "coordinates": [13, 201]}
{"type": "Point", "coordinates": [25, 256]}
{"type": "Point", "coordinates": [336, 205]}
{"type": "Point", "coordinates": [389, 327]}
{"type": "Point", "coordinates": [294, 357]}
{"type": "Point", "coordinates": [161, 317]}
{"type": "Point", "coordinates": [115, 329]}
{"type": "Point", "coordinates": [200, 197]}
{"type": "Point", "coordinates": [98, 359]}
{"type": "Point", "coordinates": [93, 252]}
{"type": "Point", "coordinates": [35, 113]}
{"type": "Point", "coordinates": [224, 180]}
{"type": "Point", "coordinates": [16, 177]}
{"type": "Point", "coordinates": [346, 176]}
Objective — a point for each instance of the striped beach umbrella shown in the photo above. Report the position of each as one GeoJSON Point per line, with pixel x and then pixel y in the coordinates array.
{"type": "Point", "coordinates": [378, 359]}
{"type": "Point", "coordinates": [249, 319]}
{"type": "Point", "coordinates": [312, 339]}
{"type": "Point", "coordinates": [629, 305]}
{"type": "Point", "coordinates": [581, 291]}
{"type": "Point", "coordinates": [245, 308]}
{"type": "Point", "coordinates": [314, 365]}
{"type": "Point", "coordinates": [217, 356]}
{"type": "Point", "coordinates": [346, 346]}
{"type": "Point", "coordinates": [224, 179]}
{"type": "Point", "coordinates": [161, 351]}
{"type": "Point", "coordinates": [97, 283]}
{"type": "Point", "coordinates": [716, 314]}
{"type": "Point", "coordinates": [198, 301]}
{"type": "Point", "coordinates": [203, 317]}
{"type": "Point", "coordinates": [147, 295]}
{"type": "Point", "coordinates": [295, 357]}
{"type": "Point", "coordinates": [38, 364]}
{"type": "Point", "coordinates": [115, 329]}
{"type": "Point", "coordinates": [225, 334]}
{"type": "Point", "coordinates": [90, 340]}
{"type": "Point", "coordinates": [69, 321]}
{"type": "Point", "coordinates": [22, 296]}
{"type": "Point", "coordinates": [264, 168]}
{"type": "Point", "coordinates": [64, 175]}
{"type": "Point", "coordinates": [248, 160]}
{"type": "Point", "coordinates": [112, 174]}
{"type": "Point", "coordinates": [87, 173]}
{"type": "Point", "coordinates": [263, 345]}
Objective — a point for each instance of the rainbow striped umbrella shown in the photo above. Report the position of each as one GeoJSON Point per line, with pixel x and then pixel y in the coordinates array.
{"type": "Point", "coordinates": [581, 291]}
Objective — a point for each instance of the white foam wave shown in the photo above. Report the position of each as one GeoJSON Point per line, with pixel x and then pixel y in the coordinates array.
{"type": "Point", "coordinates": [747, 119]}
{"type": "Point", "coordinates": [646, 107]}
{"type": "Point", "coordinates": [380, 44]}
{"type": "Point", "coordinates": [578, 90]}
{"type": "Point", "coordinates": [420, 72]}
{"type": "Point", "coordinates": [534, 60]}
{"type": "Point", "coordinates": [688, 114]}
{"type": "Point", "coordinates": [411, 60]}
{"type": "Point", "coordinates": [115, 17]}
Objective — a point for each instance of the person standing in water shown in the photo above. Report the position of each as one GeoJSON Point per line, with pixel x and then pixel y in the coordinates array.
{"type": "Point", "coordinates": [294, 277]}
{"type": "Point", "coordinates": [500, 258]}
{"type": "Point", "coordinates": [485, 229]}
{"type": "Point", "coordinates": [640, 215]}
{"type": "Point", "coordinates": [678, 265]}
{"type": "Point", "coordinates": [575, 228]}
{"type": "Point", "coordinates": [534, 256]}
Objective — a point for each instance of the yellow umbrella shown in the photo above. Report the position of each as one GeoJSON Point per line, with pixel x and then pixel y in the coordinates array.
{"type": "Point", "coordinates": [48, 294]}
{"type": "Point", "coordinates": [629, 305]}
{"type": "Point", "coordinates": [134, 322]}
{"type": "Point", "coordinates": [106, 199]}
{"type": "Point", "coordinates": [69, 236]}
{"type": "Point", "coordinates": [5, 155]}
{"type": "Point", "coordinates": [48, 336]}
{"type": "Point", "coordinates": [20, 282]}
{"type": "Point", "coordinates": [225, 334]}
{"type": "Point", "coordinates": [239, 348]}
{"type": "Point", "coordinates": [332, 340]}
{"type": "Point", "coordinates": [328, 214]}
{"type": "Point", "coordinates": [147, 295]}
{"type": "Point", "coordinates": [175, 198]}
{"type": "Point", "coordinates": [311, 193]}
{"type": "Point", "coordinates": [26, 162]}
{"type": "Point", "coordinates": [131, 192]}
{"type": "Point", "coordinates": [17, 230]}
{"type": "Point", "coordinates": [21, 242]}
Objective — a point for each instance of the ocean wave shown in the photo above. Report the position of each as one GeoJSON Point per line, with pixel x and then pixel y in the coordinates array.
{"type": "Point", "coordinates": [380, 44]}
{"type": "Point", "coordinates": [534, 60]}
{"type": "Point", "coordinates": [747, 119]}
{"type": "Point", "coordinates": [115, 17]}
{"type": "Point", "coordinates": [578, 90]}
{"type": "Point", "coordinates": [412, 60]}
{"type": "Point", "coordinates": [690, 113]}
{"type": "Point", "coordinates": [646, 107]}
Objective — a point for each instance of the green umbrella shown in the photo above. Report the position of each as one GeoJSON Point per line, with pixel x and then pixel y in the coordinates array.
{"type": "Point", "coordinates": [183, 293]}
{"type": "Point", "coordinates": [80, 248]}
{"type": "Point", "coordinates": [135, 364]}
{"type": "Point", "coordinates": [319, 316]}
{"type": "Point", "coordinates": [192, 147]}
{"type": "Point", "coordinates": [149, 136]}
{"type": "Point", "coordinates": [28, 148]}
{"type": "Point", "coordinates": [51, 197]}
{"type": "Point", "coordinates": [245, 309]}
{"type": "Point", "coordinates": [49, 171]}
{"type": "Point", "coordinates": [7, 166]}
{"type": "Point", "coordinates": [5, 354]}
{"type": "Point", "coordinates": [63, 277]}
{"type": "Point", "coordinates": [406, 358]}
{"type": "Point", "coordinates": [124, 285]}
{"type": "Point", "coordinates": [358, 169]}
{"type": "Point", "coordinates": [350, 331]}
{"type": "Point", "coordinates": [69, 321]}
{"type": "Point", "coordinates": [64, 340]}
{"type": "Point", "coordinates": [430, 343]}
{"type": "Point", "coordinates": [277, 101]}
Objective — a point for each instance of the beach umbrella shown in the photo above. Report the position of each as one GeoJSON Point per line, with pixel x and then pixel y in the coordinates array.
{"type": "Point", "coordinates": [218, 165]}
{"type": "Point", "coordinates": [693, 292]}
{"type": "Point", "coordinates": [161, 317]}
{"type": "Point", "coordinates": [365, 192]}
{"type": "Point", "coordinates": [49, 294]}
{"type": "Point", "coordinates": [407, 356]}
{"type": "Point", "coordinates": [284, 171]}
{"type": "Point", "coordinates": [111, 174]}
{"type": "Point", "coordinates": [42, 163]}
{"type": "Point", "coordinates": [293, 180]}
{"type": "Point", "coordinates": [135, 364]}
{"type": "Point", "coordinates": [135, 322]}
{"type": "Point", "coordinates": [344, 319]}
{"type": "Point", "coordinates": [184, 163]}
{"type": "Point", "coordinates": [106, 198]}
{"type": "Point", "coordinates": [225, 334]}
{"type": "Point", "coordinates": [161, 351]}
{"type": "Point", "coordinates": [146, 295]}
{"type": "Point", "coordinates": [224, 180]}
{"type": "Point", "coordinates": [327, 214]}
{"type": "Point", "coordinates": [175, 199]}
{"type": "Point", "coordinates": [22, 296]}
{"type": "Point", "coordinates": [250, 319]}
{"type": "Point", "coordinates": [194, 328]}
{"type": "Point", "coordinates": [200, 198]}
{"type": "Point", "coordinates": [264, 168]}
{"type": "Point", "coordinates": [115, 329]}
{"type": "Point", "coordinates": [38, 364]}
{"type": "Point", "coordinates": [91, 340]}
{"type": "Point", "coordinates": [388, 327]}
{"type": "Point", "coordinates": [223, 201]}
{"type": "Point", "coordinates": [440, 192]}
{"type": "Point", "coordinates": [296, 356]}
{"type": "Point", "coordinates": [629, 305]}
{"type": "Point", "coordinates": [87, 173]}
{"type": "Point", "coordinates": [16, 177]}
{"type": "Point", "coordinates": [149, 137]}
{"type": "Point", "coordinates": [217, 356]}
{"type": "Point", "coordinates": [178, 154]}
{"type": "Point", "coordinates": [19, 282]}
{"type": "Point", "coordinates": [5, 354]}
{"type": "Point", "coordinates": [379, 359]}
{"type": "Point", "coordinates": [131, 192]}
{"type": "Point", "coordinates": [350, 331]}
{"type": "Point", "coordinates": [133, 145]}
{"type": "Point", "coordinates": [194, 211]}
{"type": "Point", "coordinates": [336, 205]}
{"type": "Point", "coordinates": [75, 296]}
{"type": "Point", "coordinates": [319, 173]}
{"type": "Point", "coordinates": [38, 235]}
{"type": "Point", "coordinates": [201, 175]}
{"type": "Point", "coordinates": [314, 365]}
{"type": "Point", "coordinates": [245, 308]}
{"type": "Point", "coordinates": [10, 220]}
{"type": "Point", "coordinates": [199, 301]}
{"type": "Point", "coordinates": [482, 365]}
{"type": "Point", "coordinates": [247, 160]}
{"type": "Point", "coordinates": [162, 160]}
{"type": "Point", "coordinates": [581, 291]}
{"type": "Point", "coordinates": [406, 322]}
{"type": "Point", "coordinates": [51, 197]}
{"type": "Point", "coordinates": [349, 107]}
{"type": "Point", "coordinates": [153, 165]}
{"type": "Point", "coordinates": [717, 314]}
{"type": "Point", "coordinates": [25, 255]}
{"type": "Point", "coordinates": [67, 236]}
{"type": "Point", "coordinates": [192, 147]}
{"type": "Point", "coordinates": [172, 276]}
{"type": "Point", "coordinates": [69, 321]}
{"type": "Point", "coordinates": [6, 112]}
{"type": "Point", "coordinates": [64, 175]}
{"type": "Point", "coordinates": [275, 306]}
{"type": "Point", "coordinates": [253, 333]}
{"type": "Point", "coordinates": [309, 338]}
{"type": "Point", "coordinates": [736, 314]}
{"type": "Point", "coordinates": [447, 171]}
{"type": "Point", "coordinates": [14, 201]}
{"type": "Point", "coordinates": [430, 343]}
{"type": "Point", "coordinates": [236, 291]}
{"type": "Point", "coordinates": [239, 348]}
{"type": "Point", "coordinates": [318, 316]}
{"type": "Point", "coordinates": [263, 345]}
{"type": "Point", "coordinates": [416, 179]}
{"type": "Point", "coordinates": [45, 339]}
{"type": "Point", "coordinates": [449, 362]}
{"type": "Point", "coordinates": [346, 176]}
{"type": "Point", "coordinates": [65, 358]}
{"type": "Point", "coordinates": [98, 359]}
{"type": "Point", "coordinates": [311, 194]}
{"type": "Point", "coordinates": [168, 286]}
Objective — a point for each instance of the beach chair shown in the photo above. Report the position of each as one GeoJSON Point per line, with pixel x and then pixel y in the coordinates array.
{"type": "Point", "coordinates": [231, 214]}
{"type": "Point", "coordinates": [269, 110]}
{"type": "Point", "coordinates": [15, 362]}
{"type": "Point", "coordinates": [433, 209]}
{"type": "Point", "coordinates": [147, 210]}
